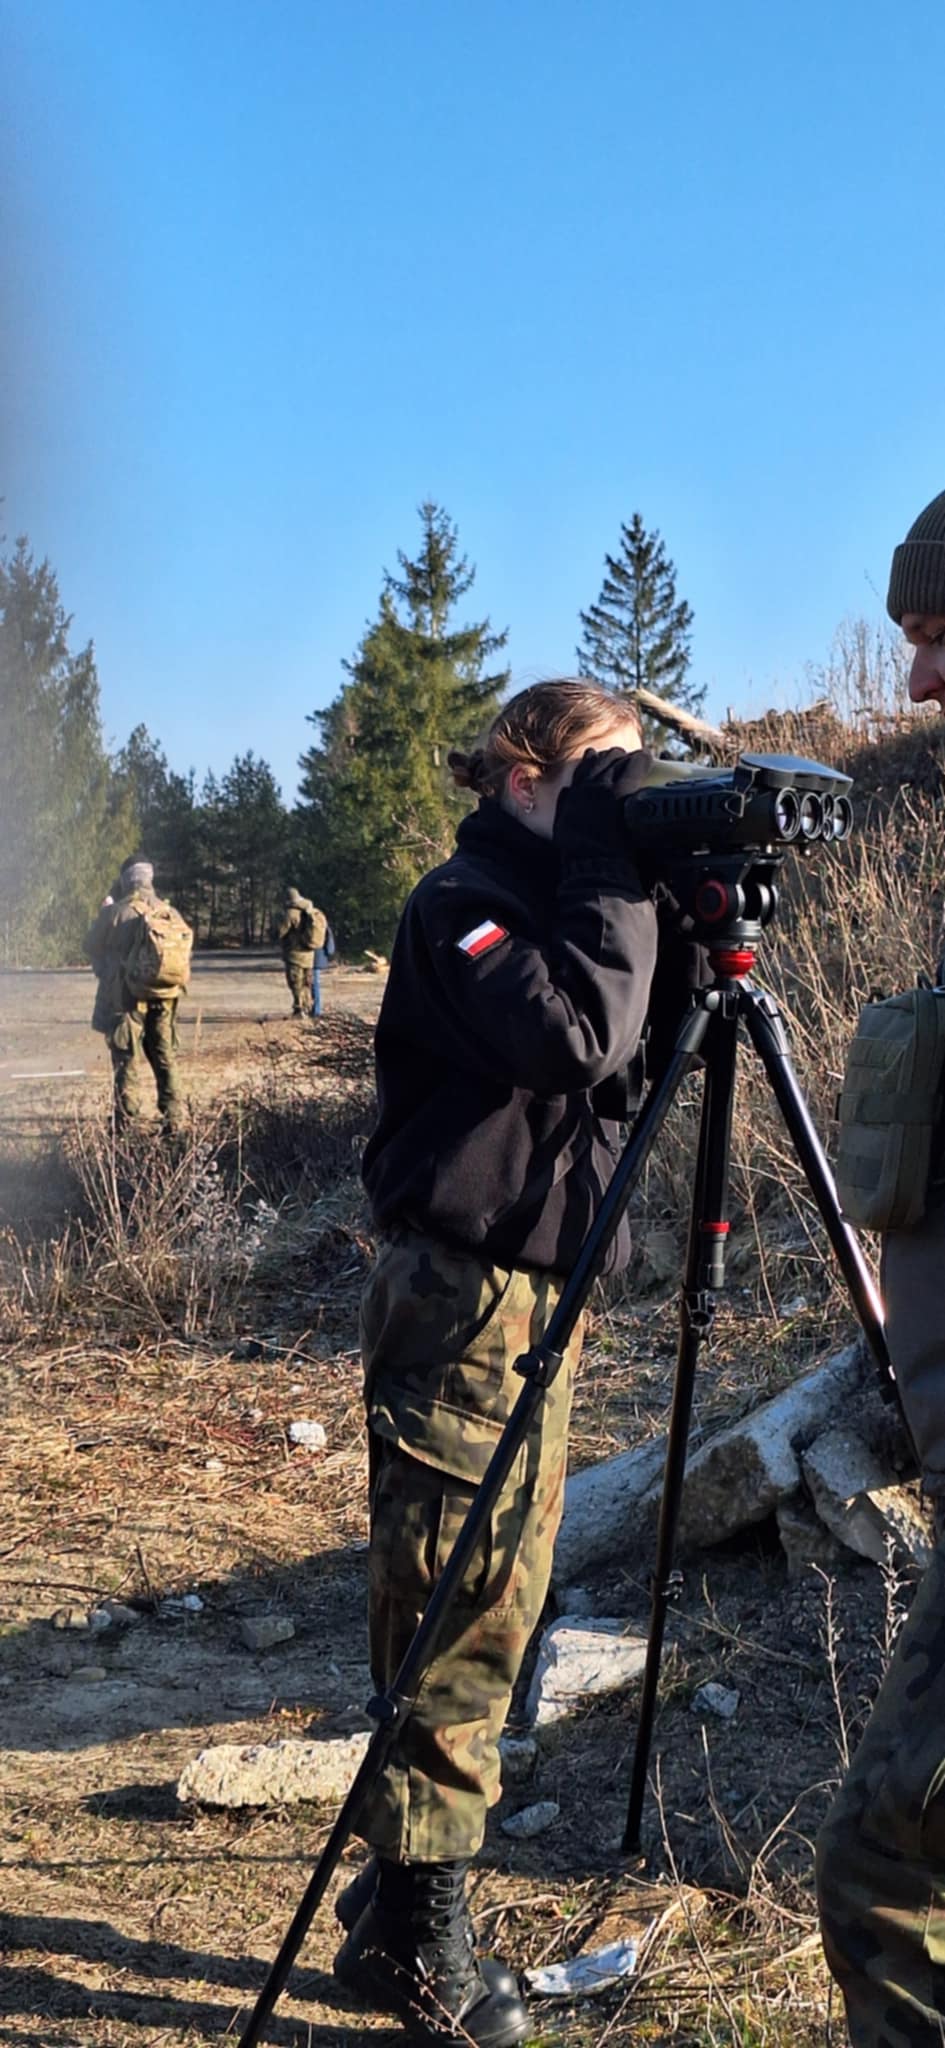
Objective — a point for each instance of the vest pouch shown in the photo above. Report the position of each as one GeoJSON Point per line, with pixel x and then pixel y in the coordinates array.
{"type": "Point", "coordinates": [890, 1110]}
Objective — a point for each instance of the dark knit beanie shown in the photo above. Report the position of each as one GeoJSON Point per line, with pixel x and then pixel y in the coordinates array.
{"type": "Point", "coordinates": [917, 576]}
{"type": "Point", "coordinates": [137, 874]}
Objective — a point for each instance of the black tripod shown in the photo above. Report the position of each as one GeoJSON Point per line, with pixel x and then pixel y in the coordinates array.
{"type": "Point", "coordinates": [729, 907]}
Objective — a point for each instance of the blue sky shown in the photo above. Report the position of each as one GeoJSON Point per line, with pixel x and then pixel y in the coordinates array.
{"type": "Point", "coordinates": [277, 271]}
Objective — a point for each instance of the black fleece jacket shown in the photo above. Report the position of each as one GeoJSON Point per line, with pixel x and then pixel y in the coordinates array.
{"type": "Point", "coordinates": [502, 1064]}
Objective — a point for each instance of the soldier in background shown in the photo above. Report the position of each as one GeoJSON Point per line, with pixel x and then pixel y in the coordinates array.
{"type": "Point", "coordinates": [140, 947]}
{"type": "Point", "coordinates": [301, 935]}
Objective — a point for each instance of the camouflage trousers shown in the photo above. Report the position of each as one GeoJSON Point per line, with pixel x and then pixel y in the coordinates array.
{"type": "Point", "coordinates": [441, 1332]}
{"type": "Point", "coordinates": [143, 1037]}
{"type": "Point", "coordinates": [881, 1850]}
{"type": "Point", "coordinates": [298, 974]}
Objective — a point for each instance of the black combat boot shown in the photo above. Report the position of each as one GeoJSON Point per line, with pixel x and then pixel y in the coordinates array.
{"type": "Point", "coordinates": [352, 1900]}
{"type": "Point", "coordinates": [412, 1953]}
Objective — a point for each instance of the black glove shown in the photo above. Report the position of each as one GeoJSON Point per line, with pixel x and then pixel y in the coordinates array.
{"type": "Point", "coordinates": [589, 816]}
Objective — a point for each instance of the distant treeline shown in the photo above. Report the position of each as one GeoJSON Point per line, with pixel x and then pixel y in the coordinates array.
{"type": "Point", "coordinates": [376, 807]}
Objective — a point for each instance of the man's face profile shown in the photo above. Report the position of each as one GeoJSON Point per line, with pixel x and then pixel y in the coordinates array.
{"type": "Point", "coordinates": [925, 631]}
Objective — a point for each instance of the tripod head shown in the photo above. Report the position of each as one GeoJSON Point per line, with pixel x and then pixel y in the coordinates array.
{"type": "Point", "coordinates": [717, 838]}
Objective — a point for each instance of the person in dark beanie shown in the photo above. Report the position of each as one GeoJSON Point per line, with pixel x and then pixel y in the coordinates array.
{"type": "Point", "coordinates": [139, 947]}
{"type": "Point", "coordinates": [881, 1850]}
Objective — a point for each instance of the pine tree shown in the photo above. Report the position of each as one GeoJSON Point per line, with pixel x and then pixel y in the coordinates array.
{"type": "Point", "coordinates": [67, 817]}
{"type": "Point", "coordinates": [251, 837]}
{"type": "Point", "coordinates": [377, 808]}
{"type": "Point", "coordinates": [637, 634]}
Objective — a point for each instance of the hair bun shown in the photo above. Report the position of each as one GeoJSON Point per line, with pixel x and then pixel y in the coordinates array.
{"type": "Point", "coordinates": [467, 770]}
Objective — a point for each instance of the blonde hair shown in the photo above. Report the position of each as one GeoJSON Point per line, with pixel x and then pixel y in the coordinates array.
{"type": "Point", "coordinates": [541, 727]}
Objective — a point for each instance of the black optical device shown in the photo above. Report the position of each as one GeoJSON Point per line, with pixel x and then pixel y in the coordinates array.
{"type": "Point", "coordinates": [716, 841]}
{"type": "Point", "coordinates": [763, 804]}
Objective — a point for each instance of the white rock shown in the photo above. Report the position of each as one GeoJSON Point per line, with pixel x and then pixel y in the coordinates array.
{"type": "Point", "coordinates": [712, 1698]}
{"type": "Point", "coordinates": [271, 1774]}
{"type": "Point", "coordinates": [308, 1436]}
{"type": "Point", "coordinates": [849, 1491]}
{"type": "Point", "coordinates": [533, 1820]}
{"type": "Point", "coordinates": [264, 1631]}
{"type": "Point", "coordinates": [578, 1659]}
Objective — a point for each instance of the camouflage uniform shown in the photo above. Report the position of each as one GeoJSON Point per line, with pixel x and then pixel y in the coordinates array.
{"type": "Point", "coordinates": [298, 954]}
{"type": "Point", "coordinates": [137, 1033]}
{"type": "Point", "coordinates": [881, 1850]}
{"type": "Point", "coordinates": [441, 1331]}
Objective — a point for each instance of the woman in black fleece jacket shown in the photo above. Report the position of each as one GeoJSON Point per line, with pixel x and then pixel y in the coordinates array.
{"type": "Point", "coordinates": [508, 1052]}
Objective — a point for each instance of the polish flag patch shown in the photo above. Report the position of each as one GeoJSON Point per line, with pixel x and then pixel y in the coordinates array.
{"type": "Point", "coordinates": [482, 939]}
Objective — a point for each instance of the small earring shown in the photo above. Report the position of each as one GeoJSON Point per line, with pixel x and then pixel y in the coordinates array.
{"type": "Point", "coordinates": [529, 804]}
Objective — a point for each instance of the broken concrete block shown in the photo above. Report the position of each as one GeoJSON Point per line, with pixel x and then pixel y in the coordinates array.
{"type": "Point", "coordinates": [272, 1773]}
{"type": "Point", "coordinates": [849, 1489]}
{"type": "Point", "coordinates": [599, 1506]}
{"type": "Point", "coordinates": [578, 1660]}
{"type": "Point", "coordinates": [739, 1476]}
{"type": "Point", "coordinates": [805, 1539]}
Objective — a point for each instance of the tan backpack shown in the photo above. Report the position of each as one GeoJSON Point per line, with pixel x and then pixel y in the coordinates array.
{"type": "Point", "coordinates": [157, 964]}
{"type": "Point", "coordinates": [890, 1110]}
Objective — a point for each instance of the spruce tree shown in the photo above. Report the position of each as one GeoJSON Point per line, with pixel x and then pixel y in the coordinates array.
{"type": "Point", "coordinates": [377, 806]}
{"type": "Point", "coordinates": [637, 635]}
{"type": "Point", "coordinates": [67, 818]}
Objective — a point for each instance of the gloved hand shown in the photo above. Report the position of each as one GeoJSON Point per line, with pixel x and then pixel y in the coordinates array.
{"type": "Point", "coordinates": [589, 815]}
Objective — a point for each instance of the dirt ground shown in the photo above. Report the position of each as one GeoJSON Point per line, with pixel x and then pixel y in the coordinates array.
{"type": "Point", "coordinates": [148, 1460]}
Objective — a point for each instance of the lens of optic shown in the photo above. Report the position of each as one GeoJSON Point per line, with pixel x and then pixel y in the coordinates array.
{"type": "Point", "coordinates": [842, 823]}
{"type": "Point", "coordinates": [787, 813]}
{"type": "Point", "coordinates": [826, 815]}
{"type": "Point", "coordinates": [811, 815]}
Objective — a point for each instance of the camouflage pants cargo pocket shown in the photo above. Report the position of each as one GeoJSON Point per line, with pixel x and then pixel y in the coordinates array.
{"type": "Point", "coordinates": [434, 1421]}
{"type": "Point", "coordinates": [881, 1850]}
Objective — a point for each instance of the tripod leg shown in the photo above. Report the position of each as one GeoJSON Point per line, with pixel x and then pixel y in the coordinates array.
{"type": "Point", "coordinates": [705, 1265]}
{"type": "Point", "coordinates": [537, 1369]}
{"type": "Point", "coordinates": [767, 1033]}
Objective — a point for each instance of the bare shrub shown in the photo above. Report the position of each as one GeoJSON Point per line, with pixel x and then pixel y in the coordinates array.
{"type": "Point", "coordinates": [170, 1232]}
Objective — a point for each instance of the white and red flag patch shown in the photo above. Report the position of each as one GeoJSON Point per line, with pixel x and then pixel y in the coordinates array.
{"type": "Point", "coordinates": [482, 938]}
